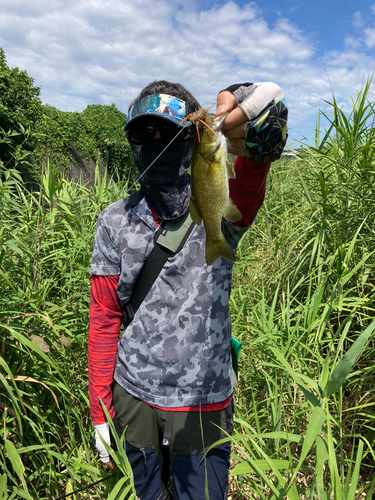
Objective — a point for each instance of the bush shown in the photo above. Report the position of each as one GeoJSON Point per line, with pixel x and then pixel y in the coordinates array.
{"type": "Point", "coordinates": [95, 135]}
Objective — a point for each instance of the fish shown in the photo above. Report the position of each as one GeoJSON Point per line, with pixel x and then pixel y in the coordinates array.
{"type": "Point", "coordinates": [210, 172]}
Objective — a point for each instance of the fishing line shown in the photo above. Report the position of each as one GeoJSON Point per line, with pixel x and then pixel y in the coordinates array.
{"type": "Point", "coordinates": [159, 155]}
{"type": "Point", "coordinates": [87, 487]}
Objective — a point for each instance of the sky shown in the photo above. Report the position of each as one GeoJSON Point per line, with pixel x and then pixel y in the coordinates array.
{"type": "Point", "coordinates": [83, 52]}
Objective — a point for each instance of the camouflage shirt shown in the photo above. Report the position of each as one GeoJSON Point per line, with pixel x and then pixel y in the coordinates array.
{"type": "Point", "coordinates": [176, 351]}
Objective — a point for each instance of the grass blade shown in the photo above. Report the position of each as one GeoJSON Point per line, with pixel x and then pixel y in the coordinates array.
{"type": "Point", "coordinates": [342, 370]}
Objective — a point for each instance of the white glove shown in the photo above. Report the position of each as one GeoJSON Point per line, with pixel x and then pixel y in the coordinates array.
{"type": "Point", "coordinates": [105, 433]}
{"type": "Point", "coordinates": [256, 97]}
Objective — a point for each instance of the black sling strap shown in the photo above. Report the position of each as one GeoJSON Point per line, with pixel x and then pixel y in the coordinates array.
{"type": "Point", "coordinates": [169, 240]}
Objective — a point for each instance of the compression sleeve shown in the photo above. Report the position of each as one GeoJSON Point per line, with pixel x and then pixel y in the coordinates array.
{"type": "Point", "coordinates": [248, 189]}
{"type": "Point", "coordinates": [105, 322]}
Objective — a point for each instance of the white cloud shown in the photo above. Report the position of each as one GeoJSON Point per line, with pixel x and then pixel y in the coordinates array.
{"type": "Point", "coordinates": [352, 42]}
{"type": "Point", "coordinates": [370, 37]}
{"type": "Point", "coordinates": [367, 31]}
{"type": "Point", "coordinates": [357, 20]}
{"type": "Point", "coordinates": [90, 51]}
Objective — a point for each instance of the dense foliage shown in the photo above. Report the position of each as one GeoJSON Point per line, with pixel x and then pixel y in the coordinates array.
{"type": "Point", "coordinates": [75, 142]}
{"type": "Point", "coordinates": [45, 251]}
{"type": "Point", "coordinates": [19, 98]}
{"type": "Point", "coordinates": [72, 142]}
{"type": "Point", "coordinates": [303, 305]}
{"type": "Point", "coordinates": [20, 110]}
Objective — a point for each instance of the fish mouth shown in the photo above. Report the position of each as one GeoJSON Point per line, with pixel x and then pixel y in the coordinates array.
{"type": "Point", "coordinates": [218, 122]}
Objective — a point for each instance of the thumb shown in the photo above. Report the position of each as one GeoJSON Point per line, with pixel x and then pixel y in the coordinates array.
{"type": "Point", "coordinates": [111, 464]}
{"type": "Point", "coordinates": [225, 102]}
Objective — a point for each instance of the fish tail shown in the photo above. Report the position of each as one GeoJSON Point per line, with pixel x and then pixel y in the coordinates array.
{"type": "Point", "coordinates": [218, 248]}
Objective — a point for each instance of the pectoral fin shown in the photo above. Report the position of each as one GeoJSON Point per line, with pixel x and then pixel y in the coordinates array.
{"type": "Point", "coordinates": [230, 171]}
{"type": "Point", "coordinates": [231, 213]}
{"type": "Point", "coordinates": [194, 214]}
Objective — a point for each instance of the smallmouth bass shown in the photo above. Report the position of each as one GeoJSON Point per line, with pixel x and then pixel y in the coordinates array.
{"type": "Point", "coordinates": [210, 171]}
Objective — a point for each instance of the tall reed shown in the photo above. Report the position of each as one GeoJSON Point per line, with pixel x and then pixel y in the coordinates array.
{"type": "Point", "coordinates": [303, 306]}
{"type": "Point", "coordinates": [46, 243]}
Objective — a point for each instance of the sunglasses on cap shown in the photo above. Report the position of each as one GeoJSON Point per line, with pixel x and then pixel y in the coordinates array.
{"type": "Point", "coordinates": [144, 130]}
{"type": "Point", "coordinates": [158, 105]}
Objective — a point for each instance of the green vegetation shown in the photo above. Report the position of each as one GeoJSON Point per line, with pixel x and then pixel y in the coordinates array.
{"type": "Point", "coordinates": [302, 305]}
{"type": "Point", "coordinates": [45, 251]}
{"type": "Point", "coordinates": [71, 142]}
{"type": "Point", "coordinates": [75, 142]}
{"type": "Point", "coordinates": [19, 98]}
{"type": "Point", "coordinates": [20, 110]}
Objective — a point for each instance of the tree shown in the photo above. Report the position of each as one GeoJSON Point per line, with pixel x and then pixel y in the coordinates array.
{"type": "Point", "coordinates": [105, 124]}
{"type": "Point", "coordinates": [19, 105]}
{"type": "Point", "coordinates": [96, 134]}
{"type": "Point", "coordinates": [19, 98]}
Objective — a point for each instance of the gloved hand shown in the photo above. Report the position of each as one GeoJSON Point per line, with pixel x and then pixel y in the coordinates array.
{"type": "Point", "coordinates": [104, 431]}
{"type": "Point", "coordinates": [257, 123]}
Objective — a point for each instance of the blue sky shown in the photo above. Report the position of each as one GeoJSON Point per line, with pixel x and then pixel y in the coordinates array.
{"type": "Point", "coordinates": [326, 22]}
{"type": "Point", "coordinates": [104, 51]}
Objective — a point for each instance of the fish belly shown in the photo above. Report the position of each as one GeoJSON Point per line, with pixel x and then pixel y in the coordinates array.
{"type": "Point", "coordinates": [210, 196]}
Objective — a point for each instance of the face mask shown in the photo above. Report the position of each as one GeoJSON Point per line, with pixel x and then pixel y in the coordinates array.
{"type": "Point", "coordinates": [171, 200]}
{"type": "Point", "coordinates": [166, 184]}
{"type": "Point", "coordinates": [172, 163]}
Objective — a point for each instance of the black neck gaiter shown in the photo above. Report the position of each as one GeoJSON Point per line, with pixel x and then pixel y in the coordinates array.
{"type": "Point", "coordinates": [166, 185]}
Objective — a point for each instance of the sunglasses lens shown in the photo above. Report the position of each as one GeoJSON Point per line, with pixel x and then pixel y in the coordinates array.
{"type": "Point", "coordinates": [169, 131]}
{"type": "Point", "coordinates": [143, 131]}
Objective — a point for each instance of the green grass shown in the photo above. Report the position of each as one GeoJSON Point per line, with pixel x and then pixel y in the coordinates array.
{"type": "Point", "coordinates": [303, 307]}
{"type": "Point", "coordinates": [46, 244]}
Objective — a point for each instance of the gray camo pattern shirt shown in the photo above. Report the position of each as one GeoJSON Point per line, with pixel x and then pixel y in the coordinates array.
{"type": "Point", "coordinates": [176, 351]}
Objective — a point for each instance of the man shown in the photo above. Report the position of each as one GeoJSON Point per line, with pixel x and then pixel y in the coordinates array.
{"type": "Point", "coordinates": [168, 378]}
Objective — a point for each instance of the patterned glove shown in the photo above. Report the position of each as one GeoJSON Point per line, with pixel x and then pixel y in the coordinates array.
{"type": "Point", "coordinates": [266, 131]}
{"type": "Point", "coordinates": [105, 433]}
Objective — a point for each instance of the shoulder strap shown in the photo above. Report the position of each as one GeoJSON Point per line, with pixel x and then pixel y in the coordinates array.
{"type": "Point", "coordinates": [169, 240]}
{"type": "Point", "coordinates": [135, 198]}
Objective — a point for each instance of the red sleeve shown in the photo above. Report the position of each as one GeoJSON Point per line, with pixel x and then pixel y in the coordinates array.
{"type": "Point", "coordinates": [247, 190]}
{"type": "Point", "coordinates": [105, 322]}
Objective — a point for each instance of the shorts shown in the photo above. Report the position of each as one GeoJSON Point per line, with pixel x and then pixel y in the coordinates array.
{"type": "Point", "coordinates": [166, 449]}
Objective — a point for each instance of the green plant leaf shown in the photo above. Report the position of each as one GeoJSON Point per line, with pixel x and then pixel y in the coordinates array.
{"type": "Point", "coordinates": [317, 419]}
{"type": "Point", "coordinates": [321, 457]}
{"type": "Point", "coordinates": [14, 458]}
{"type": "Point", "coordinates": [288, 436]}
{"type": "Point", "coordinates": [117, 489]}
{"type": "Point", "coordinates": [262, 465]}
{"type": "Point", "coordinates": [355, 476]}
{"type": "Point", "coordinates": [3, 487]}
{"type": "Point", "coordinates": [371, 490]}
{"type": "Point", "coordinates": [344, 366]}
{"type": "Point", "coordinates": [310, 396]}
